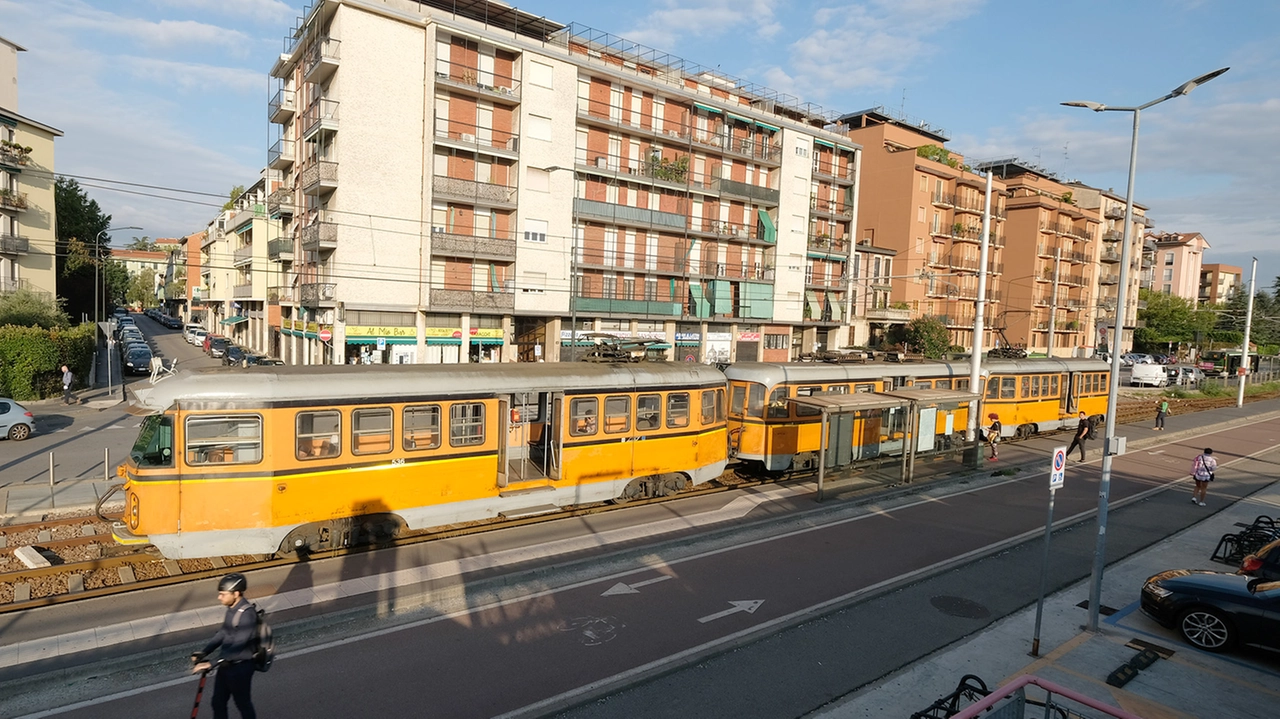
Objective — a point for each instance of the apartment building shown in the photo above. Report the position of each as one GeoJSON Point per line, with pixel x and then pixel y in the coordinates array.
{"type": "Point", "coordinates": [463, 181]}
{"type": "Point", "coordinates": [1219, 282]}
{"type": "Point", "coordinates": [192, 301]}
{"type": "Point", "coordinates": [1111, 207]}
{"type": "Point", "coordinates": [924, 203]}
{"type": "Point", "coordinates": [1178, 258]}
{"type": "Point", "coordinates": [28, 237]}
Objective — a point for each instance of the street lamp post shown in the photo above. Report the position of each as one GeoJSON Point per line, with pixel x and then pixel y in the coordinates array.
{"type": "Point", "coordinates": [1110, 448]}
{"type": "Point", "coordinates": [97, 267]}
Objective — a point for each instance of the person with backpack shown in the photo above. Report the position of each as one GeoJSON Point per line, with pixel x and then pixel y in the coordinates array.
{"type": "Point", "coordinates": [1084, 430]}
{"type": "Point", "coordinates": [1162, 411]}
{"type": "Point", "coordinates": [238, 639]}
{"type": "Point", "coordinates": [1203, 468]}
{"type": "Point", "coordinates": [993, 436]}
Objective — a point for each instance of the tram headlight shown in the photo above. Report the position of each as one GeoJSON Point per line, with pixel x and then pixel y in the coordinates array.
{"type": "Point", "coordinates": [133, 511]}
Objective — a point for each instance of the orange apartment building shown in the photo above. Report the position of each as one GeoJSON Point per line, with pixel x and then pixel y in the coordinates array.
{"type": "Point", "coordinates": [1219, 282]}
{"type": "Point", "coordinates": [927, 206]}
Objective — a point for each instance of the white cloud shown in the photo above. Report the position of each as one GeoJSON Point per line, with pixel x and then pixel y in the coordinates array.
{"type": "Point", "coordinates": [679, 19]}
{"type": "Point", "coordinates": [74, 15]}
{"type": "Point", "coordinates": [196, 77]}
{"type": "Point", "coordinates": [264, 10]}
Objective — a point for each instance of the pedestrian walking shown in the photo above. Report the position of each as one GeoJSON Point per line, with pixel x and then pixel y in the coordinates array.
{"type": "Point", "coordinates": [993, 436]}
{"type": "Point", "coordinates": [67, 380]}
{"type": "Point", "coordinates": [236, 638]}
{"type": "Point", "coordinates": [1203, 468]}
{"type": "Point", "coordinates": [1162, 411]}
{"type": "Point", "coordinates": [1082, 433]}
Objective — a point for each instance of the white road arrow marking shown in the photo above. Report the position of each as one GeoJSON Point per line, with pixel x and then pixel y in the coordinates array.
{"type": "Point", "coordinates": [749, 607]}
{"type": "Point", "coordinates": [86, 429]}
{"type": "Point", "coordinates": [622, 588]}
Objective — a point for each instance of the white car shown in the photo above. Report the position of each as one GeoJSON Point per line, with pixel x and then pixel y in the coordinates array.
{"type": "Point", "coordinates": [1143, 374]}
{"type": "Point", "coordinates": [197, 337]}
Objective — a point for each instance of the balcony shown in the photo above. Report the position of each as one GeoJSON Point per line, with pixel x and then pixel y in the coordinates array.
{"type": "Point", "coordinates": [7, 285]}
{"type": "Point", "coordinates": [320, 178]}
{"type": "Point", "coordinates": [742, 147]}
{"type": "Point", "coordinates": [943, 199]}
{"type": "Point", "coordinates": [280, 108]}
{"type": "Point", "coordinates": [474, 138]}
{"type": "Point", "coordinates": [280, 250]}
{"type": "Point", "coordinates": [453, 244]}
{"type": "Point", "coordinates": [627, 215]}
{"type": "Point", "coordinates": [13, 155]}
{"type": "Point", "coordinates": [1115, 212]}
{"type": "Point", "coordinates": [280, 203]}
{"type": "Point", "coordinates": [1108, 279]}
{"type": "Point", "coordinates": [13, 201]}
{"type": "Point", "coordinates": [827, 245]}
{"type": "Point", "coordinates": [242, 256]}
{"type": "Point", "coordinates": [974, 206]}
{"type": "Point", "coordinates": [829, 170]}
{"type": "Point", "coordinates": [1113, 235]}
{"type": "Point", "coordinates": [318, 294]}
{"type": "Point", "coordinates": [957, 320]}
{"type": "Point", "coordinates": [472, 192]}
{"type": "Point", "coordinates": [468, 300]}
{"type": "Point", "coordinates": [830, 207]}
{"type": "Point", "coordinates": [629, 308]}
{"type": "Point", "coordinates": [761, 195]}
{"type": "Point", "coordinates": [937, 259]}
{"type": "Point", "coordinates": [280, 155]}
{"type": "Point", "coordinates": [280, 294]}
{"type": "Point", "coordinates": [319, 237]}
{"type": "Point", "coordinates": [321, 60]}
{"type": "Point", "coordinates": [888, 314]}
{"type": "Point", "coordinates": [1146, 220]}
{"type": "Point", "coordinates": [320, 119]}
{"type": "Point", "coordinates": [242, 292]}
{"type": "Point", "coordinates": [1109, 256]}
{"type": "Point", "coordinates": [14, 245]}
{"type": "Point", "coordinates": [964, 263]}
{"type": "Point", "coordinates": [1148, 262]}
{"type": "Point", "coordinates": [479, 83]}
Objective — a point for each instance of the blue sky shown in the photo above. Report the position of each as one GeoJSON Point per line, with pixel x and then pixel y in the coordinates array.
{"type": "Point", "coordinates": [173, 93]}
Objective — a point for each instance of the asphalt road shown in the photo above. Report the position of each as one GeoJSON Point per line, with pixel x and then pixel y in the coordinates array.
{"type": "Point", "coordinates": [530, 652]}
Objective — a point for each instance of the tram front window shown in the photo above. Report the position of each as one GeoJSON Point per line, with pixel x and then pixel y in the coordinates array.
{"type": "Point", "coordinates": [154, 446]}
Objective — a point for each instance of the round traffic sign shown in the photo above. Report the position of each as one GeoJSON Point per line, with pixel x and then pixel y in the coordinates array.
{"type": "Point", "coordinates": [1059, 459]}
{"type": "Point", "coordinates": [324, 335]}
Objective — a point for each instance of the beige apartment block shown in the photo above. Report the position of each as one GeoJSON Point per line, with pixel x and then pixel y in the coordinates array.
{"type": "Point", "coordinates": [1219, 282]}
{"type": "Point", "coordinates": [925, 204]}
{"type": "Point", "coordinates": [1178, 258]}
{"type": "Point", "coordinates": [244, 313]}
{"type": "Point", "coordinates": [28, 236]}
{"type": "Point", "coordinates": [464, 182]}
{"type": "Point", "coordinates": [1111, 208]}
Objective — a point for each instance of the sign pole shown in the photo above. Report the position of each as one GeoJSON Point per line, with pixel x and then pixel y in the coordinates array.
{"type": "Point", "coordinates": [1057, 475]}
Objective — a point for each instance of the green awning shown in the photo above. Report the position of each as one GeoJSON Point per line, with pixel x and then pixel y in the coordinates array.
{"type": "Point", "coordinates": [768, 127]}
{"type": "Point", "coordinates": [770, 230]}
{"type": "Point", "coordinates": [756, 300]}
{"type": "Point", "coordinates": [688, 343]}
{"type": "Point", "coordinates": [374, 340]}
{"type": "Point", "coordinates": [837, 309]}
{"type": "Point", "coordinates": [846, 149]}
{"type": "Point", "coordinates": [443, 341]}
{"type": "Point", "coordinates": [235, 320]}
{"type": "Point", "coordinates": [659, 346]}
{"type": "Point", "coordinates": [739, 118]}
{"type": "Point", "coordinates": [708, 108]}
{"type": "Point", "coordinates": [815, 307]}
{"type": "Point", "coordinates": [824, 143]}
{"type": "Point", "coordinates": [701, 308]}
{"type": "Point", "coordinates": [721, 297]}
{"type": "Point", "coordinates": [486, 340]}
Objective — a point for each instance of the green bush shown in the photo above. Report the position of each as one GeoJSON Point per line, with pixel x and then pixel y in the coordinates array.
{"type": "Point", "coordinates": [1213, 389]}
{"type": "Point", "coordinates": [31, 359]}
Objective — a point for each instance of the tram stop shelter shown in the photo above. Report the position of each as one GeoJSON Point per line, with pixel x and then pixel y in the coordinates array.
{"type": "Point", "coordinates": [880, 437]}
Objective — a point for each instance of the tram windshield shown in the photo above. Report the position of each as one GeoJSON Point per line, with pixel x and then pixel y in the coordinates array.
{"type": "Point", "coordinates": [154, 446]}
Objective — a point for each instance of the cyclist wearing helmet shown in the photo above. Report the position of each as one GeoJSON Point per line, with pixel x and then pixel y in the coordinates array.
{"type": "Point", "coordinates": [236, 638]}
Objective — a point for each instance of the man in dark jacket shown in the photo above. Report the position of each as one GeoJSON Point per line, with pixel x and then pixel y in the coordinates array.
{"type": "Point", "coordinates": [1082, 433]}
{"type": "Point", "coordinates": [236, 638]}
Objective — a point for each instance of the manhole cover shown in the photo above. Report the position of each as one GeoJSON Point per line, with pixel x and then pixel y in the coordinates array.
{"type": "Point", "coordinates": [959, 607]}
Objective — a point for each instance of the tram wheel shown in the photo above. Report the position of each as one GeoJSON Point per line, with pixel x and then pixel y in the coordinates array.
{"type": "Point", "coordinates": [1023, 431]}
{"type": "Point", "coordinates": [635, 489]}
{"type": "Point", "coordinates": [671, 485]}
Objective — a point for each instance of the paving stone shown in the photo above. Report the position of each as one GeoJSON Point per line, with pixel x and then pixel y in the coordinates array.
{"type": "Point", "coordinates": [75, 583]}
{"type": "Point", "coordinates": [44, 535]}
{"type": "Point", "coordinates": [172, 568]}
{"type": "Point", "coordinates": [126, 575]}
{"type": "Point", "coordinates": [22, 592]}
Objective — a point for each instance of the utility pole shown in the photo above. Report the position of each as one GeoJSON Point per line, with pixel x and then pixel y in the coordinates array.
{"type": "Point", "coordinates": [1248, 325]}
{"type": "Point", "coordinates": [1053, 302]}
{"type": "Point", "coordinates": [975, 358]}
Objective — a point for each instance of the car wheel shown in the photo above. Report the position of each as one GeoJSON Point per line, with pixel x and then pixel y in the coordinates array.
{"type": "Point", "coordinates": [19, 432]}
{"type": "Point", "coordinates": [1207, 629]}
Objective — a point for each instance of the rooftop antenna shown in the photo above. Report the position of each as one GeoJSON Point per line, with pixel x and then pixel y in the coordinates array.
{"type": "Point", "coordinates": [1037, 151]}
{"type": "Point", "coordinates": [902, 109]}
{"type": "Point", "coordinates": [1066, 158]}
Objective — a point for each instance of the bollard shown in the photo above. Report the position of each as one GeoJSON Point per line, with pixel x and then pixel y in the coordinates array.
{"type": "Point", "coordinates": [52, 501]}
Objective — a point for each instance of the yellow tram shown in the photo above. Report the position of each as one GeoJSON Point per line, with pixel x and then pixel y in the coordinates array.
{"type": "Point", "coordinates": [308, 458]}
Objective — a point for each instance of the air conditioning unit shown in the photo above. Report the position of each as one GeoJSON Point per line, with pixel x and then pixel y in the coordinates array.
{"type": "Point", "coordinates": [467, 137]}
{"type": "Point", "coordinates": [602, 162]}
{"type": "Point", "coordinates": [437, 230]}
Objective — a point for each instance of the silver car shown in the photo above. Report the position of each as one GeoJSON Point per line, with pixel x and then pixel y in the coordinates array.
{"type": "Point", "coordinates": [16, 422]}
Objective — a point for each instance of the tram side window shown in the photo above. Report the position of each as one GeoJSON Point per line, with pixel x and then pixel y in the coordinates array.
{"type": "Point", "coordinates": [922, 384]}
{"type": "Point", "coordinates": [802, 410]}
{"type": "Point", "coordinates": [1026, 386]}
{"type": "Point", "coordinates": [1035, 386]}
{"type": "Point", "coordinates": [720, 417]}
{"type": "Point", "coordinates": [466, 424]}
{"type": "Point", "coordinates": [1053, 386]}
{"type": "Point", "coordinates": [582, 416]}
{"type": "Point", "coordinates": [755, 401]}
{"type": "Point", "coordinates": [838, 389]}
{"type": "Point", "coordinates": [962, 384]}
{"type": "Point", "coordinates": [648, 412]}
{"type": "Point", "coordinates": [778, 403]}
{"type": "Point", "coordinates": [319, 434]}
{"type": "Point", "coordinates": [371, 430]}
{"type": "Point", "coordinates": [864, 388]}
{"type": "Point", "coordinates": [421, 427]}
{"type": "Point", "coordinates": [678, 409]}
{"type": "Point", "coordinates": [993, 388]}
{"type": "Point", "coordinates": [224, 440]}
{"type": "Point", "coordinates": [708, 407]}
{"type": "Point", "coordinates": [154, 446]}
{"type": "Point", "coordinates": [617, 414]}
{"type": "Point", "coordinates": [738, 400]}
{"type": "Point", "coordinates": [1008, 388]}
{"type": "Point", "coordinates": [942, 384]}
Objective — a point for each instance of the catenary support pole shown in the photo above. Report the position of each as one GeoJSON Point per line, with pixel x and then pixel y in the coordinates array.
{"type": "Point", "coordinates": [1245, 367]}
{"type": "Point", "coordinates": [1053, 302]}
{"type": "Point", "coordinates": [975, 357]}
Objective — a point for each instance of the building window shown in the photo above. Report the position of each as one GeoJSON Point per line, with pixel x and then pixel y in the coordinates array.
{"type": "Point", "coordinates": [1168, 289]}
{"type": "Point", "coordinates": [1168, 275]}
{"type": "Point", "coordinates": [541, 74]}
{"type": "Point", "coordinates": [535, 230]}
{"type": "Point", "coordinates": [539, 128]}
{"type": "Point", "coordinates": [1168, 258]}
{"type": "Point", "coordinates": [777, 342]}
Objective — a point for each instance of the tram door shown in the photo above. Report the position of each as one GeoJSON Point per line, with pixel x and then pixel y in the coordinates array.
{"type": "Point", "coordinates": [1064, 402]}
{"type": "Point", "coordinates": [528, 436]}
{"type": "Point", "coordinates": [555, 437]}
{"type": "Point", "coordinates": [1073, 399]}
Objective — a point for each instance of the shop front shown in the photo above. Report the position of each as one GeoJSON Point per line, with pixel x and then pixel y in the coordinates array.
{"type": "Point", "coordinates": [381, 345]}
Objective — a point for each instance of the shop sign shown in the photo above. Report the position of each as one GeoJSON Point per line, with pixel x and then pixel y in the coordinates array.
{"type": "Point", "coordinates": [688, 337]}
{"type": "Point", "coordinates": [456, 333]}
{"type": "Point", "coordinates": [748, 336]}
{"type": "Point", "coordinates": [371, 331]}
{"type": "Point", "coordinates": [487, 332]}
{"type": "Point", "coordinates": [719, 336]}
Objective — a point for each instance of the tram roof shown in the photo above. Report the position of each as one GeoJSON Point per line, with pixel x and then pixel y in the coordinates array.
{"type": "Point", "coordinates": [774, 373]}
{"type": "Point", "coordinates": [345, 383]}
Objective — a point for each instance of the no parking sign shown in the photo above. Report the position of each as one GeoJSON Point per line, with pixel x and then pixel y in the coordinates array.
{"type": "Point", "coordinates": [1058, 472]}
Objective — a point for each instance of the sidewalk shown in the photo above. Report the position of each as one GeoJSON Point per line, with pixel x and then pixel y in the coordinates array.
{"type": "Point", "coordinates": [1190, 683]}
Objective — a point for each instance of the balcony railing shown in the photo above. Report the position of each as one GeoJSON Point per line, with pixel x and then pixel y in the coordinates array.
{"type": "Point", "coordinates": [1115, 212]}
{"type": "Point", "coordinates": [459, 300]}
{"type": "Point", "coordinates": [319, 237]}
{"type": "Point", "coordinates": [242, 291]}
{"type": "Point", "coordinates": [280, 250]}
{"type": "Point", "coordinates": [832, 207]}
{"type": "Point", "coordinates": [280, 294]}
{"type": "Point", "coordinates": [943, 199]}
{"type": "Point", "coordinates": [321, 177]}
{"type": "Point", "coordinates": [485, 83]}
{"type": "Point", "coordinates": [281, 106]}
{"type": "Point", "coordinates": [8, 285]}
{"type": "Point", "coordinates": [829, 245]}
{"type": "Point", "coordinates": [626, 214]}
{"type": "Point", "coordinates": [280, 202]}
{"type": "Point", "coordinates": [316, 294]}
{"type": "Point", "coordinates": [321, 60]}
{"type": "Point", "coordinates": [280, 154]}
{"type": "Point", "coordinates": [482, 138]}
{"type": "Point", "coordinates": [13, 156]}
{"type": "Point", "coordinates": [454, 244]}
{"type": "Point", "coordinates": [472, 192]}
{"type": "Point", "coordinates": [964, 263]}
{"type": "Point", "coordinates": [831, 170]}
{"type": "Point", "coordinates": [321, 117]}
{"type": "Point", "coordinates": [242, 255]}
{"type": "Point", "coordinates": [1113, 235]}
{"type": "Point", "coordinates": [1108, 279]}
{"type": "Point", "coordinates": [14, 245]}
{"type": "Point", "coordinates": [888, 314]}
{"type": "Point", "coordinates": [745, 147]}
{"type": "Point", "coordinates": [762, 195]}
{"type": "Point", "coordinates": [1109, 256]}
{"type": "Point", "coordinates": [13, 201]}
{"type": "Point", "coordinates": [728, 230]}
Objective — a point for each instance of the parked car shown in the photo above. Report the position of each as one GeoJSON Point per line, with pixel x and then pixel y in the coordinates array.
{"type": "Point", "coordinates": [173, 323]}
{"type": "Point", "coordinates": [1215, 611]}
{"type": "Point", "coordinates": [138, 361]}
{"type": "Point", "coordinates": [126, 348]}
{"type": "Point", "coordinates": [1264, 563]}
{"type": "Point", "coordinates": [265, 361]}
{"type": "Point", "coordinates": [1142, 374]}
{"type": "Point", "coordinates": [233, 355]}
{"type": "Point", "coordinates": [197, 337]}
{"type": "Point", "coordinates": [1186, 375]}
{"type": "Point", "coordinates": [217, 346]}
{"type": "Point", "coordinates": [16, 422]}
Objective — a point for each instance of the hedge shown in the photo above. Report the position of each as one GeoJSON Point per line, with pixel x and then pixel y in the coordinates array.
{"type": "Point", "coordinates": [31, 359]}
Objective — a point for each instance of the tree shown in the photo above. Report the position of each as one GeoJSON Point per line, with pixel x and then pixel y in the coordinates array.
{"type": "Point", "coordinates": [79, 220]}
{"type": "Point", "coordinates": [142, 289]}
{"type": "Point", "coordinates": [142, 243]}
{"type": "Point", "coordinates": [937, 154]}
{"type": "Point", "coordinates": [1169, 319]}
{"type": "Point", "coordinates": [115, 281]}
{"type": "Point", "coordinates": [26, 308]}
{"type": "Point", "coordinates": [928, 336]}
{"type": "Point", "coordinates": [236, 191]}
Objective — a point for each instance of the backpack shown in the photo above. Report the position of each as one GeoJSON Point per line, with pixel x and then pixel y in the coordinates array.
{"type": "Point", "coordinates": [264, 643]}
{"type": "Point", "coordinates": [1093, 428]}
